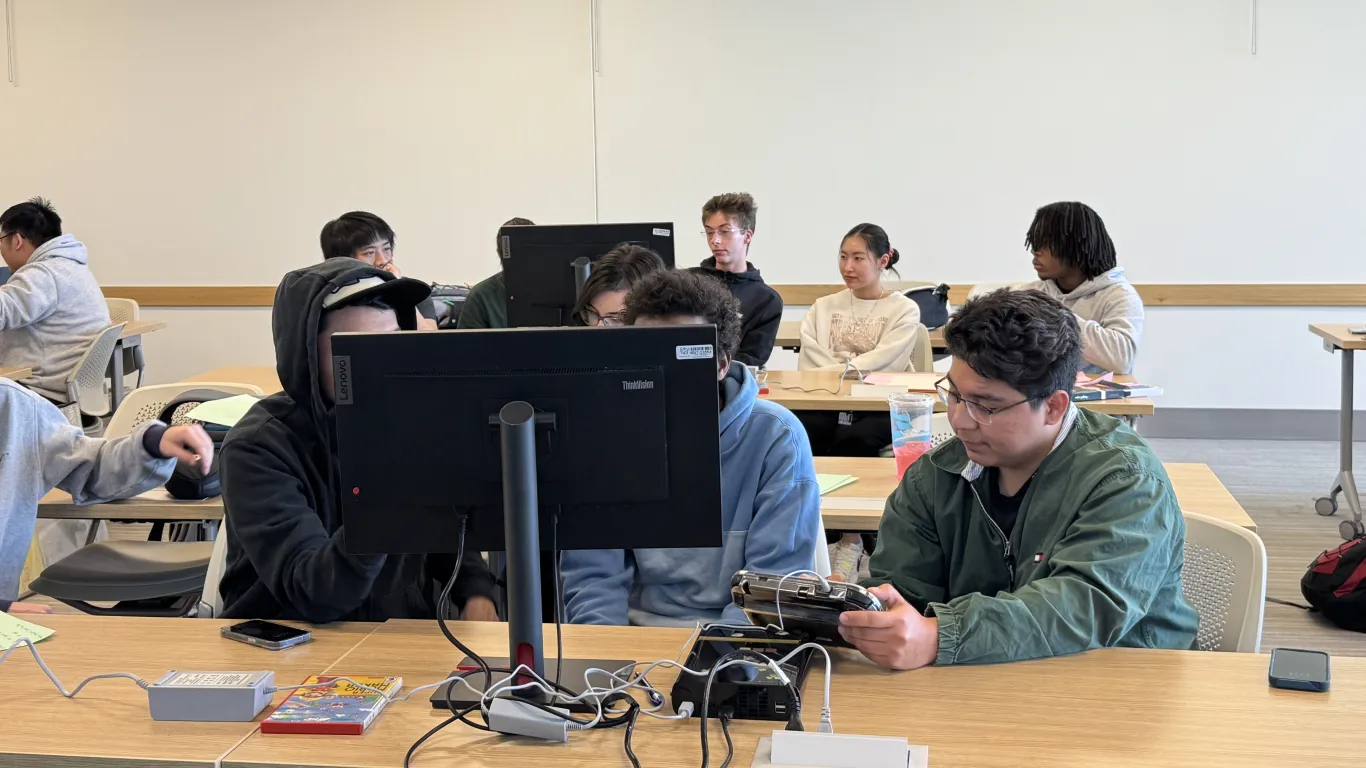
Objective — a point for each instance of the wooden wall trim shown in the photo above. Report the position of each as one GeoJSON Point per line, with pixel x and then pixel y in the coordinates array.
{"type": "Point", "coordinates": [1154, 294]}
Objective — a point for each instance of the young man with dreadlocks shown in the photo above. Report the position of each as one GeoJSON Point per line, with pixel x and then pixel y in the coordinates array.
{"type": "Point", "coordinates": [1075, 260]}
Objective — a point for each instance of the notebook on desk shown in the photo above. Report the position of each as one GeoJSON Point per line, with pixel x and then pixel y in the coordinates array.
{"type": "Point", "coordinates": [1109, 390]}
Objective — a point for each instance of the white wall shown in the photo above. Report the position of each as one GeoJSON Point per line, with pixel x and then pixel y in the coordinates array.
{"type": "Point", "coordinates": [206, 143]}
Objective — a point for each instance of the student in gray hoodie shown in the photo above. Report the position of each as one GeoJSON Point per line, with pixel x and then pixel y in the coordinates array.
{"type": "Point", "coordinates": [40, 451]}
{"type": "Point", "coordinates": [1075, 261]}
{"type": "Point", "coordinates": [51, 308]}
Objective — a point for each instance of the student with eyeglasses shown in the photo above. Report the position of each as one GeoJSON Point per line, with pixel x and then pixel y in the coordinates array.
{"type": "Point", "coordinates": [1042, 530]}
{"type": "Point", "coordinates": [602, 302]}
{"type": "Point", "coordinates": [728, 224]}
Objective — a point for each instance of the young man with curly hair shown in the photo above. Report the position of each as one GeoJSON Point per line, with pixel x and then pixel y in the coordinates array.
{"type": "Point", "coordinates": [770, 500]}
{"type": "Point", "coordinates": [1042, 530]}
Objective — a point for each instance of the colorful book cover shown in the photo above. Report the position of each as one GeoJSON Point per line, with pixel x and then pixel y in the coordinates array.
{"type": "Point", "coordinates": [338, 709]}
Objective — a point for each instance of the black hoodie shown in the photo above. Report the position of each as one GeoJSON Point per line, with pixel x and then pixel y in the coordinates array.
{"type": "Point", "coordinates": [286, 549]}
{"type": "Point", "coordinates": [761, 310]}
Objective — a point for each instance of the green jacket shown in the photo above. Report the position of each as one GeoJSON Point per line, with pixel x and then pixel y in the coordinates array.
{"type": "Point", "coordinates": [487, 305]}
{"type": "Point", "coordinates": [1094, 559]}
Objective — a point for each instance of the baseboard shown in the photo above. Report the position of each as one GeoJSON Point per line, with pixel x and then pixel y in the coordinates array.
{"type": "Point", "coordinates": [1247, 424]}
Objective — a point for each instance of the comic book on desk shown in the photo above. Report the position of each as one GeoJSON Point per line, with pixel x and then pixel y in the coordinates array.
{"type": "Point", "coordinates": [340, 709]}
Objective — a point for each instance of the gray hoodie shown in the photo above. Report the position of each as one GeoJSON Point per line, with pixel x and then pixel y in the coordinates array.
{"type": "Point", "coordinates": [39, 451]}
{"type": "Point", "coordinates": [50, 310]}
{"type": "Point", "coordinates": [1110, 316]}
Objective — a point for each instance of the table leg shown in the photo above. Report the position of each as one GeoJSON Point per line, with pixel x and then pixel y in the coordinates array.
{"type": "Point", "coordinates": [116, 392]}
{"type": "Point", "coordinates": [1345, 483]}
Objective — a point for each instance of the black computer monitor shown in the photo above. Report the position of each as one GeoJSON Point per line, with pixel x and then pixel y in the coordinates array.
{"type": "Point", "coordinates": [608, 434]}
{"type": "Point", "coordinates": [544, 267]}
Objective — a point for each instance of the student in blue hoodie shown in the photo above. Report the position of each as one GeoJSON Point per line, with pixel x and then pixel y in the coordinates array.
{"type": "Point", "coordinates": [770, 500]}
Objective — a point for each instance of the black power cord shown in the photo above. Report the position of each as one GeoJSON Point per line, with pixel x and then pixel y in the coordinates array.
{"type": "Point", "coordinates": [631, 729]}
{"type": "Point", "coordinates": [725, 729]}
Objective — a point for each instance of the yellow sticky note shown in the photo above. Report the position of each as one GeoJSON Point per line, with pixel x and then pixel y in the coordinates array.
{"type": "Point", "coordinates": [831, 483]}
{"type": "Point", "coordinates": [226, 411]}
{"type": "Point", "coordinates": [12, 629]}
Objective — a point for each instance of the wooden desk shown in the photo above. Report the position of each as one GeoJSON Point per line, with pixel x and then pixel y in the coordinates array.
{"type": "Point", "coordinates": [155, 505]}
{"type": "Point", "coordinates": [15, 374]}
{"type": "Point", "coordinates": [107, 725]}
{"type": "Point", "coordinates": [854, 507]}
{"type": "Point", "coordinates": [263, 376]}
{"type": "Point", "coordinates": [1338, 338]}
{"type": "Point", "coordinates": [790, 337]}
{"type": "Point", "coordinates": [130, 339]}
{"type": "Point", "coordinates": [1113, 707]}
{"type": "Point", "coordinates": [816, 391]}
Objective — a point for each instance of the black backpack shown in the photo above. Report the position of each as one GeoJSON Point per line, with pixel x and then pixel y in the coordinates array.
{"type": "Point", "coordinates": [188, 482]}
{"type": "Point", "coordinates": [934, 304]}
{"type": "Point", "coordinates": [1335, 585]}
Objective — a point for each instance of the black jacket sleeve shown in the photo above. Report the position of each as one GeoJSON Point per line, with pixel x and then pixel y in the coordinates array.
{"type": "Point", "coordinates": [270, 513]}
{"type": "Point", "coordinates": [761, 331]}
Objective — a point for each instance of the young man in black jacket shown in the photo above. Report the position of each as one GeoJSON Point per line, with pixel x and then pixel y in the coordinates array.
{"type": "Point", "coordinates": [287, 555]}
{"type": "Point", "coordinates": [728, 223]}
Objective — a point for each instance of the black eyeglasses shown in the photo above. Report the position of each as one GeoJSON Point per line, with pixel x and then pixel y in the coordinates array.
{"type": "Point", "coordinates": [980, 413]}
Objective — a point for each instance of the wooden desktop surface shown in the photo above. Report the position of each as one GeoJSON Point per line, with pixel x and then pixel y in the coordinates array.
{"type": "Point", "coordinates": [141, 327]}
{"type": "Point", "coordinates": [825, 391]}
{"type": "Point", "coordinates": [153, 506]}
{"type": "Point", "coordinates": [15, 374]}
{"type": "Point", "coordinates": [108, 724]}
{"type": "Point", "coordinates": [1112, 707]}
{"type": "Point", "coordinates": [790, 336]}
{"type": "Point", "coordinates": [263, 376]}
{"type": "Point", "coordinates": [1197, 490]}
{"type": "Point", "coordinates": [1338, 335]}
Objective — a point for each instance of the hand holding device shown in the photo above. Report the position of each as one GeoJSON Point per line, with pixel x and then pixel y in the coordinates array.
{"type": "Point", "coordinates": [188, 443]}
{"type": "Point", "coordinates": [801, 605]}
{"type": "Point", "coordinates": [897, 637]}
{"type": "Point", "coordinates": [266, 634]}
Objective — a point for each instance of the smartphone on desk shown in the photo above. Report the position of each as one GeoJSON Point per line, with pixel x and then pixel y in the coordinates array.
{"type": "Point", "coordinates": [267, 634]}
{"type": "Point", "coordinates": [1299, 670]}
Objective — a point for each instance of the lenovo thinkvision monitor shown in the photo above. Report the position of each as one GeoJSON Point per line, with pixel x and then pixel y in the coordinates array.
{"type": "Point", "coordinates": [609, 434]}
{"type": "Point", "coordinates": [544, 267]}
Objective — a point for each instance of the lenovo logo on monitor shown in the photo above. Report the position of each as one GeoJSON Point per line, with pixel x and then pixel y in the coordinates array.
{"type": "Point", "coordinates": [638, 384]}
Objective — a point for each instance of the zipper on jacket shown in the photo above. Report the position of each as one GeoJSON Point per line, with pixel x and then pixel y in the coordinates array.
{"type": "Point", "coordinates": [1009, 551]}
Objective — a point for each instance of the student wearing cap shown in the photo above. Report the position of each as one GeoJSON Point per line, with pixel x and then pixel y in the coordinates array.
{"type": "Point", "coordinates": [287, 557]}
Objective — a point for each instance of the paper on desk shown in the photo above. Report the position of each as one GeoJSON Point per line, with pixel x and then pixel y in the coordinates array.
{"type": "Point", "coordinates": [831, 483]}
{"type": "Point", "coordinates": [915, 382]}
{"type": "Point", "coordinates": [12, 629]}
{"type": "Point", "coordinates": [227, 411]}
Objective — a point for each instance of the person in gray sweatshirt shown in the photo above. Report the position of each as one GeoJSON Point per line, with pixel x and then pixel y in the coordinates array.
{"type": "Point", "coordinates": [51, 308]}
{"type": "Point", "coordinates": [40, 450]}
{"type": "Point", "coordinates": [1075, 261]}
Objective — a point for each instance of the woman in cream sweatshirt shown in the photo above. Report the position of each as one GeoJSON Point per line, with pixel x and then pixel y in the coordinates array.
{"type": "Point", "coordinates": [866, 328]}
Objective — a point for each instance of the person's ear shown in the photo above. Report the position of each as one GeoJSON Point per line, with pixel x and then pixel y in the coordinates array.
{"type": "Point", "coordinates": [749, 235]}
{"type": "Point", "coordinates": [1057, 405]}
{"type": "Point", "coordinates": [722, 367]}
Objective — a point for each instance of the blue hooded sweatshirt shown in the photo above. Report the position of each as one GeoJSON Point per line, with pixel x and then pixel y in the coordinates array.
{"type": "Point", "coordinates": [770, 515]}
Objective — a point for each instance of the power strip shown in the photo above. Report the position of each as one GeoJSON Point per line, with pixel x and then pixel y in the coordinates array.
{"type": "Point", "coordinates": [210, 697]}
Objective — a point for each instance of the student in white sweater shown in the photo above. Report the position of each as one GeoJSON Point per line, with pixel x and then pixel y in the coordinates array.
{"type": "Point", "coordinates": [1075, 261]}
{"type": "Point", "coordinates": [867, 328]}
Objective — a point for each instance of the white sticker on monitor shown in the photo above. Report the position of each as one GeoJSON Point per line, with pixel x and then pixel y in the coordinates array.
{"type": "Point", "coordinates": [694, 352]}
{"type": "Point", "coordinates": [661, 232]}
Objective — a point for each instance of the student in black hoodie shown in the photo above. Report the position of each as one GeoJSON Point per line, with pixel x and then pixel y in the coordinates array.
{"type": "Point", "coordinates": [287, 556]}
{"type": "Point", "coordinates": [728, 224]}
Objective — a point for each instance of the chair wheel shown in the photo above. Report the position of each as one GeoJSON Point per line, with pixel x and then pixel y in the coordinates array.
{"type": "Point", "coordinates": [1350, 529]}
{"type": "Point", "coordinates": [1326, 506]}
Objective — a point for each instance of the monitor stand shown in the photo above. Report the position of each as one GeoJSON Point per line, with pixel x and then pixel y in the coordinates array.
{"type": "Point", "coordinates": [517, 423]}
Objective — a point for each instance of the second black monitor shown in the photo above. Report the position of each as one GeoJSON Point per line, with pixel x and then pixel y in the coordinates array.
{"type": "Point", "coordinates": [540, 264]}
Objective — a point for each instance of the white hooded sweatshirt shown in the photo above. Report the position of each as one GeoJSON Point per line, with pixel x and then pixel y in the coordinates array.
{"type": "Point", "coordinates": [50, 310]}
{"type": "Point", "coordinates": [1109, 315]}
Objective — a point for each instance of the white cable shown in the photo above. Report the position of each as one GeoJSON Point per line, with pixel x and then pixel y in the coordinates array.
{"type": "Point", "coordinates": [778, 593]}
{"type": "Point", "coordinates": [69, 694]}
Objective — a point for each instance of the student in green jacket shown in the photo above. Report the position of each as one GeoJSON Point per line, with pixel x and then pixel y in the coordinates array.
{"type": "Point", "coordinates": [1042, 530]}
{"type": "Point", "coordinates": [487, 304]}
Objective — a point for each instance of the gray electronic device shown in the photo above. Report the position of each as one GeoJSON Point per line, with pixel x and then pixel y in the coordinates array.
{"type": "Point", "coordinates": [1298, 670]}
{"type": "Point", "coordinates": [266, 634]}
{"type": "Point", "coordinates": [210, 697]}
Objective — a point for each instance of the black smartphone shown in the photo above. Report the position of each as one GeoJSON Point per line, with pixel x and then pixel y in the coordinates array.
{"type": "Point", "coordinates": [1299, 670]}
{"type": "Point", "coordinates": [266, 634]}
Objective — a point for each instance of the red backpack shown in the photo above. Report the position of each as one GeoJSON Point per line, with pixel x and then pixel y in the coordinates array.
{"type": "Point", "coordinates": [1335, 585]}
